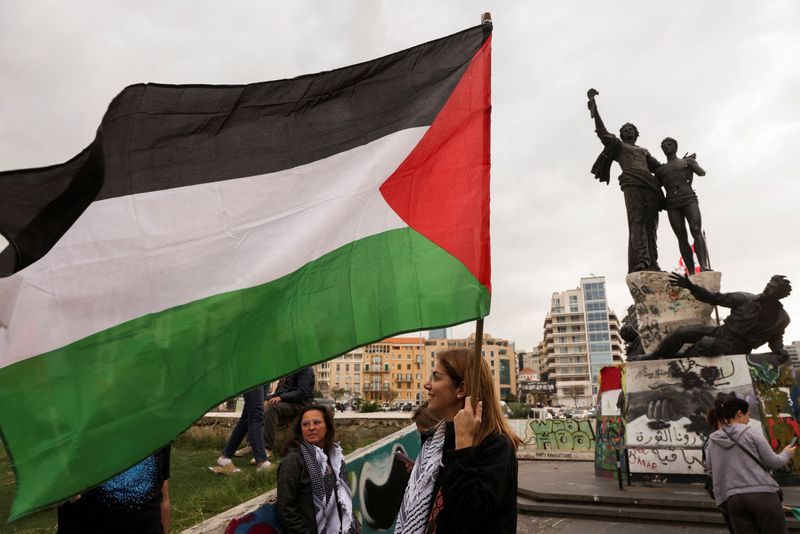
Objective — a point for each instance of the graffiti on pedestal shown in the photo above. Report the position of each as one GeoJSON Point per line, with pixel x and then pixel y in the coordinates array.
{"type": "Point", "coordinates": [667, 401]}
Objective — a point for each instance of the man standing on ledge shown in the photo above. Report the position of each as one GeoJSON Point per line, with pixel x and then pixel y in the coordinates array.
{"type": "Point", "coordinates": [642, 191]}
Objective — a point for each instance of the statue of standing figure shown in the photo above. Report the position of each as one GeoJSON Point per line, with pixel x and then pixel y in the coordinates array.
{"type": "Point", "coordinates": [676, 177]}
{"type": "Point", "coordinates": [641, 189]}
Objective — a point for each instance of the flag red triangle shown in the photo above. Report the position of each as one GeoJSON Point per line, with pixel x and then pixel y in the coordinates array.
{"type": "Point", "coordinates": [441, 190]}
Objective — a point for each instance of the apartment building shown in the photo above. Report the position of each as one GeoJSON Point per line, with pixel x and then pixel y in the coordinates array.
{"type": "Point", "coordinates": [499, 354]}
{"type": "Point", "coordinates": [581, 335]}
{"type": "Point", "coordinates": [394, 370]}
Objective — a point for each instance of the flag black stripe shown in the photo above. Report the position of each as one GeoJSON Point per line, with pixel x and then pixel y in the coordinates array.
{"type": "Point", "coordinates": [155, 136]}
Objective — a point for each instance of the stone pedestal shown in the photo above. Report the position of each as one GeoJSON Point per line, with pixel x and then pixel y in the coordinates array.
{"type": "Point", "coordinates": [662, 308]}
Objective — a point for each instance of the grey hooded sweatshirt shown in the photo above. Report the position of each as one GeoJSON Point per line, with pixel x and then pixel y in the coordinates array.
{"type": "Point", "coordinates": [733, 471]}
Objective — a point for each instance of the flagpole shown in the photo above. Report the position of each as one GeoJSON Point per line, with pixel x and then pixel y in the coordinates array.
{"type": "Point", "coordinates": [475, 374]}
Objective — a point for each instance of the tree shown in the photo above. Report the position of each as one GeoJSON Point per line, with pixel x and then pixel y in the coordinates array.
{"type": "Point", "coordinates": [574, 392]}
{"type": "Point", "coordinates": [388, 395]}
{"type": "Point", "coordinates": [338, 393]}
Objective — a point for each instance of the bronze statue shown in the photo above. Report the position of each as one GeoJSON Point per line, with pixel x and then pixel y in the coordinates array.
{"type": "Point", "coordinates": [753, 321]}
{"type": "Point", "coordinates": [641, 189]}
{"type": "Point", "coordinates": [633, 343]}
{"type": "Point", "coordinates": [676, 176]}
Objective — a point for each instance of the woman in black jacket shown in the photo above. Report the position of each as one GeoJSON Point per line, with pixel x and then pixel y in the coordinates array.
{"type": "Point", "coordinates": [465, 477]}
{"type": "Point", "coordinates": [313, 493]}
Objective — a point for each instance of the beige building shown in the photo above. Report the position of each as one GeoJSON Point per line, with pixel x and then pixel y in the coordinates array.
{"type": "Point", "coordinates": [341, 377]}
{"type": "Point", "coordinates": [499, 354]}
{"type": "Point", "coordinates": [581, 336]}
{"type": "Point", "coordinates": [396, 369]}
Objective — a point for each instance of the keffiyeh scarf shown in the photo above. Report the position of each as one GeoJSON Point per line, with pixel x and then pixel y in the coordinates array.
{"type": "Point", "coordinates": [333, 501]}
{"type": "Point", "coordinates": [417, 500]}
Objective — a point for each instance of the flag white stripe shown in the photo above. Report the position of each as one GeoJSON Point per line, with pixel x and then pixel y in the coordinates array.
{"type": "Point", "coordinates": [129, 256]}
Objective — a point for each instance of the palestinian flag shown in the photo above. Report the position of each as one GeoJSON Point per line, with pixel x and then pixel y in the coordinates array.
{"type": "Point", "coordinates": [213, 238]}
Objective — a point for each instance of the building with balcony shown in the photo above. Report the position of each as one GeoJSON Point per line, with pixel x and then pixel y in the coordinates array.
{"type": "Point", "coordinates": [499, 353]}
{"type": "Point", "coordinates": [342, 377]}
{"type": "Point", "coordinates": [581, 335]}
{"type": "Point", "coordinates": [394, 370]}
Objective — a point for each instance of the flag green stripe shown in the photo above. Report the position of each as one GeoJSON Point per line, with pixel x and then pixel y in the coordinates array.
{"type": "Point", "coordinates": [112, 397]}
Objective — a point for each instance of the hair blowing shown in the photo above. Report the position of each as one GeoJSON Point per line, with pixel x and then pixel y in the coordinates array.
{"type": "Point", "coordinates": [457, 365]}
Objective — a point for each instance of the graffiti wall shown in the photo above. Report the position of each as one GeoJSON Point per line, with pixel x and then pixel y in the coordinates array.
{"type": "Point", "coordinates": [666, 405]}
{"type": "Point", "coordinates": [555, 439]}
{"type": "Point", "coordinates": [610, 431]}
{"type": "Point", "coordinates": [777, 388]}
{"type": "Point", "coordinates": [379, 479]}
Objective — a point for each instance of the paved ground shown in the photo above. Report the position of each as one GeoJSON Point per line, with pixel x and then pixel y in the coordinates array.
{"type": "Point", "coordinates": [531, 524]}
{"type": "Point", "coordinates": [568, 477]}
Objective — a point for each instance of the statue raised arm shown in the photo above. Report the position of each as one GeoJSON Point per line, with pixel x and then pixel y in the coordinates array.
{"type": "Point", "coordinates": [642, 191]}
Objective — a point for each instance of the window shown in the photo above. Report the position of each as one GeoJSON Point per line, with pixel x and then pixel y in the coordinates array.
{"type": "Point", "coordinates": [505, 372]}
{"type": "Point", "coordinates": [399, 366]}
{"type": "Point", "coordinates": [337, 366]}
{"type": "Point", "coordinates": [408, 367]}
{"type": "Point", "coordinates": [561, 329]}
{"type": "Point", "coordinates": [347, 367]}
{"type": "Point", "coordinates": [356, 367]}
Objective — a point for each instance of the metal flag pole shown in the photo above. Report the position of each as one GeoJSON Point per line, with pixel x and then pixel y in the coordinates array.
{"type": "Point", "coordinates": [475, 367]}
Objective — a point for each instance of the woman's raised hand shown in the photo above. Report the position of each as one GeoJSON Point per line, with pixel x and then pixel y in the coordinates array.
{"type": "Point", "coordinates": [466, 423]}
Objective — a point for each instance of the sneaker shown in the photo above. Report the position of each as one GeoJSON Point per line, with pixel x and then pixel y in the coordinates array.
{"type": "Point", "coordinates": [244, 451]}
{"type": "Point", "coordinates": [253, 461]}
{"type": "Point", "coordinates": [263, 466]}
{"type": "Point", "coordinates": [229, 469]}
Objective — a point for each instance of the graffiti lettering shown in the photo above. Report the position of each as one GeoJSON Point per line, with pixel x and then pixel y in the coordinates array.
{"type": "Point", "coordinates": [563, 434]}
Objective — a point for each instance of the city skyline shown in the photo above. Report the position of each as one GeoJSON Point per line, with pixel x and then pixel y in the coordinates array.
{"type": "Point", "coordinates": [719, 77]}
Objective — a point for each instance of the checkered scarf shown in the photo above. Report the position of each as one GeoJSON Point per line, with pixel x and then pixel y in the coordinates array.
{"type": "Point", "coordinates": [417, 500]}
{"type": "Point", "coordinates": [333, 502]}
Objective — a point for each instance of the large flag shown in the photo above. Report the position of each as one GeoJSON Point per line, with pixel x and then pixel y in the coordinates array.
{"type": "Point", "coordinates": [213, 238]}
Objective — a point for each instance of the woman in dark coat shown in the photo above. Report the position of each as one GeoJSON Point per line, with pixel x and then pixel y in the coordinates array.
{"type": "Point", "coordinates": [465, 477]}
{"type": "Point", "coordinates": [313, 493]}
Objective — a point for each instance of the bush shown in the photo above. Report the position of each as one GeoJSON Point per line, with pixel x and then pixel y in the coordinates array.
{"type": "Point", "coordinates": [519, 410]}
{"type": "Point", "coordinates": [369, 407]}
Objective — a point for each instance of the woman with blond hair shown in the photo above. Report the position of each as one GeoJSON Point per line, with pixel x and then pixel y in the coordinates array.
{"type": "Point", "coordinates": [465, 477]}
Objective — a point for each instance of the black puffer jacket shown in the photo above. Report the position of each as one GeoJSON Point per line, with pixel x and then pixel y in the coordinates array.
{"type": "Point", "coordinates": [295, 502]}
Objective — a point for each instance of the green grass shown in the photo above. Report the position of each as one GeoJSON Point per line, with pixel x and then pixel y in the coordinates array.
{"type": "Point", "coordinates": [196, 493]}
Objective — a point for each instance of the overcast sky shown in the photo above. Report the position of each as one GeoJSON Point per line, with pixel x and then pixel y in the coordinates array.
{"type": "Point", "coordinates": [719, 76]}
